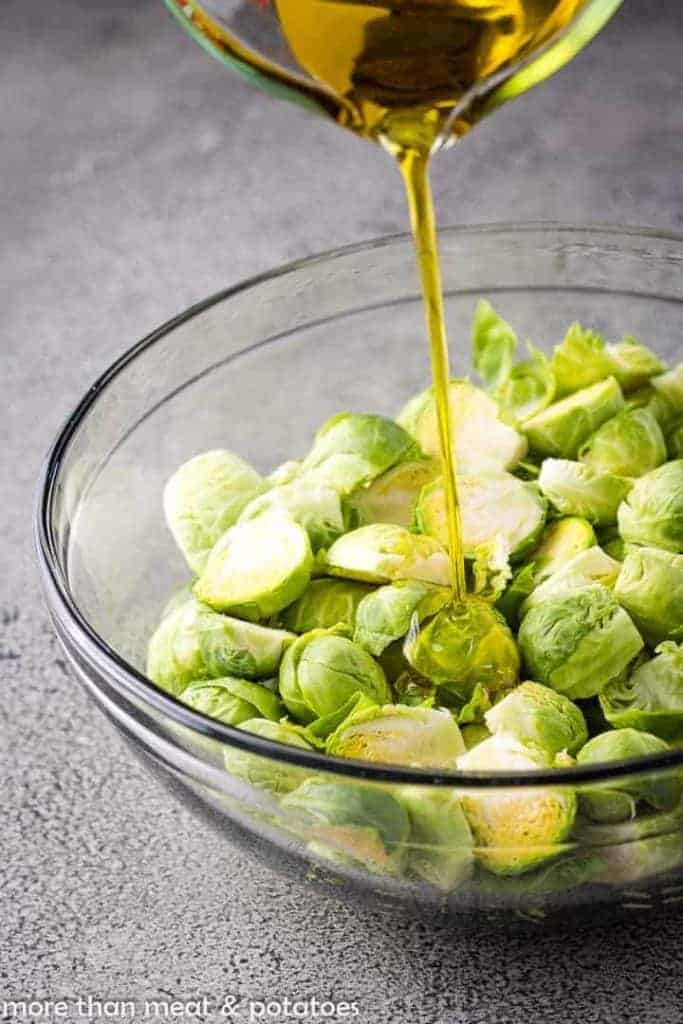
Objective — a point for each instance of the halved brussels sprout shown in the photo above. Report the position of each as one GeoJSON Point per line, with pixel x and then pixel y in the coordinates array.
{"type": "Point", "coordinates": [462, 647]}
{"type": "Point", "coordinates": [492, 505]}
{"type": "Point", "coordinates": [617, 801]}
{"type": "Point", "coordinates": [204, 497]}
{"type": "Point", "coordinates": [583, 359]}
{"type": "Point", "coordinates": [588, 567]}
{"type": "Point", "coordinates": [540, 719]}
{"type": "Point", "coordinates": [482, 442]}
{"type": "Point", "coordinates": [325, 603]}
{"type": "Point", "coordinates": [579, 490]}
{"type": "Point", "coordinates": [384, 552]}
{"type": "Point", "coordinates": [675, 442]}
{"type": "Point", "coordinates": [258, 567]}
{"type": "Point", "coordinates": [385, 614]}
{"type": "Point", "coordinates": [652, 514]}
{"type": "Point", "coordinates": [515, 830]}
{"type": "Point", "coordinates": [392, 497]}
{"type": "Point", "coordinates": [650, 587]}
{"type": "Point", "coordinates": [630, 444]}
{"type": "Point", "coordinates": [351, 450]}
{"type": "Point", "coordinates": [493, 345]}
{"type": "Point", "coordinates": [260, 770]}
{"type": "Point", "coordinates": [564, 426]}
{"type": "Point", "coordinates": [651, 698]}
{"type": "Point", "coordinates": [311, 503]}
{"type": "Point", "coordinates": [529, 388]}
{"type": "Point", "coordinates": [396, 734]}
{"type": "Point", "coordinates": [579, 642]}
{"type": "Point", "coordinates": [193, 642]}
{"type": "Point", "coordinates": [232, 700]}
{"type": "Point", "coordinates": [322, 670]}
{"type": "Point", "coordinates": [365, 824]}
{"type": "Point", "coordinates": [441, 845]}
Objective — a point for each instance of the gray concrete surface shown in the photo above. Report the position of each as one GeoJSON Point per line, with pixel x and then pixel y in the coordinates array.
{"type": "Point", "coordinates": [135, 178]}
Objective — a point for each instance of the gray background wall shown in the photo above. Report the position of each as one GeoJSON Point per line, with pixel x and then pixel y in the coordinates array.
{"type": "Point", "coordinates": [136, 176]}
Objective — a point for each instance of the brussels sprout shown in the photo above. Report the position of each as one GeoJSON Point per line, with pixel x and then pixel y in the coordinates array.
{"type": "Point", "coordinates": [530, 387]}
{"type": "Point", "coordinates": [669, 387]}
{"type": "Point", "coordinates": [580, 490]}
{"type": "Point", "coordinates": [196, 643]}
{"type": "Point", "coordinates": [588, 567]}
{"type": "Point", "coordinates": [540, 719]}
{"type": "Point", "coordinates": [556, 878]}
{"type": "Point", "coordinates": [616, 801]}
{"type": "Point", "coordinates": [383, 552]}
{"type": "Point", "coordinates": [260, 770]}
{"type": "Point", "coordinates": [653, 512]}
{"type": "Point", "coordinates": [205, 497]}
{"type": "Point", "coordinates": [362, 823]}
{"type": "Point", "coordinates": [564, 426]}
{"type": "Point", "coordinates": [464, 646]}
{"type": "Point", "coordinates": [493, 345]}
{"type": "Point", "coordinates": [258, 567]}
{"type": "Point", "coordinates": [325, 603]}
{"type": "Point", "coordinates": [583, 359]}
{"type": "Point", "coordinates": [396, 734]}
{"type": "Point", "coordinates": [650, 587]}
{"type": "Point", "coordinates": [322, 670]}
{"type": "Point", "coordinates": [284, 473]}
{"type": "Point", "coordinates": [491, 569]}
{"type": "Point", "coordinates": [351, 450]}
{"type": "Point", "coordinates": [482, 442]}
{"type": "Point", "coordinates": [630, 444]}
{"type": "Point", "coordinates": [311, 503]}
{"type": "Point", "coordinates": [385, 615]}
{"type": "Point", "coordinates": [392, 497]}
{"type": "Point", "coordinates": [491, 505]}
{"type": "Point", "coordinates": [515, 830]}
{"type": "Point", "coordinates": [675, 442]}
{"type": "Point", "coordinates": [232, 700]}
{"type": "Point", "coordinates": [579, 642]}
{"type": "Point", "coordinates": [651, 698]}
{"type": "Point", "coordinates": [440, 849]}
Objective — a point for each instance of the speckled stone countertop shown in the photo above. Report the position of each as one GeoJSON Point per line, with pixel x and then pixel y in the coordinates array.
{"type": "Point", "coordinates": [137, 177]}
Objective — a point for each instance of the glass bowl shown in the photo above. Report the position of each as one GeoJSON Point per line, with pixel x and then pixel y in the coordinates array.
{"type": "Point", "coordinates": [256, 369]}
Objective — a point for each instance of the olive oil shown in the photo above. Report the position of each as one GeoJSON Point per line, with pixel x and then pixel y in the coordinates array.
{"type": "Point", "coordinates": [413, 75]}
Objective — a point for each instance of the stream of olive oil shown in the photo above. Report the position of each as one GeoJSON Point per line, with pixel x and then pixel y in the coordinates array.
{"type": "Point", "coordinates": [398, 72]}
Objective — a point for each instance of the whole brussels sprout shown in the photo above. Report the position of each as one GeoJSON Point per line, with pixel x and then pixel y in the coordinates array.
{"type": "Point", "coordinates": [322, 670]}
{"type": "Point", "coordinates": [562, 428]}
{"type": "Point", "coordinates": [258, 769]}
{"type": "Point", "coordinates": [462, 647]}
{"type": "Point", "coordinates": [257, 568]}
{"type": "Point", "coordinates": [650, 588]}
{"type": "Point", "coordinates": [651, 698]}
{"type": "Point", "coordinates": [515, 830]}
{"type": "Point", "coordinates": [364, 824]}
{"type": "Point", "coordinates": [351, 450]}
{"type": "Point", "coordinates": [493, 505]}
{"type": "Point", "coordinates": [440, 850]}
{"type": "Point", "coordinates": [195, 643]}
{"type": "Point", "coordinates": [396, 734]}
{"type": "Point", "coordinates": [325, 603]}
{"type": "Point", "coordinates": [232, 700]}
{"type": "Point", "coordinates": [580, 490]}
{"type": "Point", "coordinates": [311, 503]}
{"type": "Point", "coordinates": [540, 719]}
{"type": "Point", "coordinates": [579, 642]}
{"type": "Point", "coordinates": [392, 497]}
{"type": "Point", "coordinates": [383, 552]}
{"type": "Point", "coordinates": [653, 512]}
{"type": "Point", "coordinates": [588, 567]}
{"type": "Point", "coordinates": [204, 497]}
{"type": "Point", "coordinates": [629, 445]}
{"type": "Point", "coordinates": [616, 801]}
{"type": "Point", "coordinates": [482, 442]}
{"type": "Point", "coordinates": [385, 615]}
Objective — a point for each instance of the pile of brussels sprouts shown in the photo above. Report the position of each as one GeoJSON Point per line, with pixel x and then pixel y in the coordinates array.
{"type": "Point", "coordinates": [321, 614]}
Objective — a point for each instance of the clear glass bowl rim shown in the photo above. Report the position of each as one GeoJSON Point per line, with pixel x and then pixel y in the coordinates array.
{"type": "Point", "coordinates": [125, 677]}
